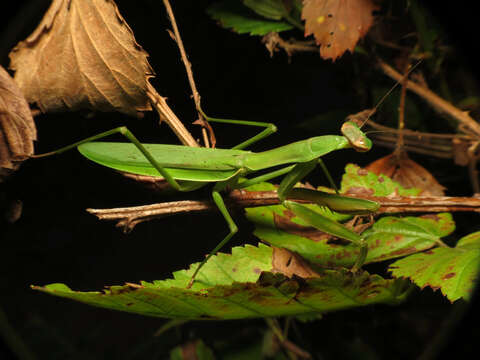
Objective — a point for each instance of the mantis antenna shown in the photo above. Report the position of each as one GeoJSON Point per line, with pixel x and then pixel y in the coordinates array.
{"type": "Point", "coordinates": [372, 111]}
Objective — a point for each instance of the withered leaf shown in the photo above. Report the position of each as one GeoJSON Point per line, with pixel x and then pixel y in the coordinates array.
{"type": "Point", "coordinates": [17, 129]}
{"type": "Point", "coordinates": [408, 173]}
{"type": "Point", "coordinates": [289, 263]}
{"type": "Point", "coordinates": [337, 25]}
{"type": "Point", "coordinates": [83, 55]}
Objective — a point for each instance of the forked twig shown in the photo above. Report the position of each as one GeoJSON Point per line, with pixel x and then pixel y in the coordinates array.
{"type": "Point", "coordinates": [440, 105]}
{"type": "Point", "coordinates": [443, 107]}
{"type": "Point", "coordinates": [273, 42]}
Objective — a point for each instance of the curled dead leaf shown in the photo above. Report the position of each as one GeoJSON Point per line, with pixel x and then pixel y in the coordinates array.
{"type": "Point", "coordinates": [408, 173]}
{"type": "Point", "coordinates": [17, 128]}
{"type": "Point", "coordinates": [288, 263]}
{"type": "Point", "coordinates": [83, 55]}
{"type": "Point", "coordinates": [337, 25]}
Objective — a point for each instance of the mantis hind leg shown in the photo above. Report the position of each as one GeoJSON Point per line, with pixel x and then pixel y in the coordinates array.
{"type": "Point", "coordinates": [269, 129]}
{"type": "Point", "coordinates": [217, 198]}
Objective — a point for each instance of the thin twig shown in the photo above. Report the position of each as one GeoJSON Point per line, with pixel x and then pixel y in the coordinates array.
{"type": "Point", "coordinates": [443, 107]}
{"type": "Point", "coordinates": [440, 105]}
{"type": "Point", "coordinates": [166, 114]}
{"type": "Point", "coordinates": [401, 114]}
{"type": "Point", "coordinates": [191, 80]}
{"type": "Point", "coordinates": [127, 218]}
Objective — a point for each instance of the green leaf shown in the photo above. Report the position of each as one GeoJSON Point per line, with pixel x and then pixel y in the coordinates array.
{"type": "Point", "coordinates": [271, 9]}
{"type": "Point", "coordinates": [239, 286]}
{"type": "Point", "coordinates": [452, 270]}
{"type": "Point", "coordinates": [232, 15]}
{"type": "Point", "coordinates": [357, 180]}
{"type": "Point", "coordinates": [392, 237]}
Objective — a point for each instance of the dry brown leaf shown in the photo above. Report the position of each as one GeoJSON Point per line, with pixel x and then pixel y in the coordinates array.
{"type": "Point", "coordinates": [289, 264]}
{"type": "Point", "coordinates": [337, 25]}
{"type": "Point", "coordinates": [408, 173]}
{"type": "Point", "coordinates": [17, 129]}
{"type": "Point", "coordinates": [83, 55]}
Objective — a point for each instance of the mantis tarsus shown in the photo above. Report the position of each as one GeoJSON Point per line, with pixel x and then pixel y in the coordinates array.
{"type": "Point", "coordinates": [188, 169]}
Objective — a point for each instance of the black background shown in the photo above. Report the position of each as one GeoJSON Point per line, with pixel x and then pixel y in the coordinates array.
{"type": "Point", "coordinates": [57, 241]}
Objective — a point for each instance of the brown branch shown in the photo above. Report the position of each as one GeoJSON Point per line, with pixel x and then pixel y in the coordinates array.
{"type": "Point", "coordinates": [440, 105]}
{"type": "Point", "coordinates": [191, 80]}
{"type": "Point", "coordinates": [128, 218]}
{"type": "Point", "coordinates": [166, 114]}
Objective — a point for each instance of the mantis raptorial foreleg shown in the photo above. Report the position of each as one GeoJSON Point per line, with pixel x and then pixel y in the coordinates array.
{"type": "Point", "coordinates": [314, 219]}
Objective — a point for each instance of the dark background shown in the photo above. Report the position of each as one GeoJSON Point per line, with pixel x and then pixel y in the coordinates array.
{"type": "Point", "coordinates": [55, 240]}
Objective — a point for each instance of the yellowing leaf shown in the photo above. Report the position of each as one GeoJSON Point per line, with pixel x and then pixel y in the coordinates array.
{"type": "Point", "coordinates": [17, 129]}
{"type": "Point", "coordinates": [337, 25]}
{"type": "Point", "coordinates": [83, 55]}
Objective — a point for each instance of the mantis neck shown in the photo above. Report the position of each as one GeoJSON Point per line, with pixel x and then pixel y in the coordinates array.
{"type": "Point", "coordinates": [300, 151]}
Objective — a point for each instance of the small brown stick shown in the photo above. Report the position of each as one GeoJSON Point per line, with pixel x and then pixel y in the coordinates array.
{"type": "Point", "coordinates": [401, 114]}
{"type": "Point", "coordinates": [127, 218]}
{"type": "Point", "coordinates": [191, 80]}
{"type": "Point", "coordinates": [273, 42]}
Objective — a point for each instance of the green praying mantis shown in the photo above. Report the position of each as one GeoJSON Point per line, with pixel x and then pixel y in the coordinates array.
{"type": "Point", "coordinates": [188, 169]}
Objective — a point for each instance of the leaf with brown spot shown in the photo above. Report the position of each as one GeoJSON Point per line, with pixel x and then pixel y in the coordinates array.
{"type": "Point", "coordinates": [337, 25]}
{"type": "Point", "coordinates": [357, 181]}
{"type": "Point", "coordinates": [452, 270]}
{"type": "Point", "coordinates": [221, 294]}
{"type": "Point", "coordinates": [407, 173]}
{"type": "Point", "coordinates": [83, 55]}
{"type": "Point", "coordinates": [17, 128]}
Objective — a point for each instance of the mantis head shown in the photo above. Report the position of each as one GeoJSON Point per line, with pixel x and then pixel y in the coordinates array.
{"type": "Point", "coordinates": [356, 137]}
